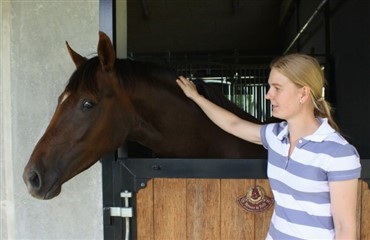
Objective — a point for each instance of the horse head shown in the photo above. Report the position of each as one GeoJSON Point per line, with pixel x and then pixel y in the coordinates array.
{"type": "Point", "coordinates": [82, 128]}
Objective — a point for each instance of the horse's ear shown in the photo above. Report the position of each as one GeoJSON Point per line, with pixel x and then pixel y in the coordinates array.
{"type": "Point", "coordinates": [106, 53]}
{"type": "Point", "coordinates": [77, 58]}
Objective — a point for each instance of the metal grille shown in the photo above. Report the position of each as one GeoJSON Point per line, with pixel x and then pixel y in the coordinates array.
{"type": "Point", "coordinates": [245, 85]}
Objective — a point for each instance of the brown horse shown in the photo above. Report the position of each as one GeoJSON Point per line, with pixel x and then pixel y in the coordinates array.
{"type": "Point", "coordinates": [108, 101]}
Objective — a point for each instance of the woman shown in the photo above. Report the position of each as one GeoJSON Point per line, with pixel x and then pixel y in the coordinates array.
{"type": "Point", "coordinates": [313, 171]}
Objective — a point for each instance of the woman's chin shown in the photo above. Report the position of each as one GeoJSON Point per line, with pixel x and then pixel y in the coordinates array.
{"type": "Point", "coordinates": [277, 115]}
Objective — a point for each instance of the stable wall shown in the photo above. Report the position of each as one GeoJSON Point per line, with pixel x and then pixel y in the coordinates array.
{"type": "Point", "coordinates": [348, 62]}
{"type": "Point", "coordinates": [35, 67]}
{"type": "Point", "coordinates": [350, 48]}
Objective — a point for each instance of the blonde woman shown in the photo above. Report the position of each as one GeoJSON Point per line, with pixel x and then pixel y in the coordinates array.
{"type": "Point", "coordinates": [313, 171]}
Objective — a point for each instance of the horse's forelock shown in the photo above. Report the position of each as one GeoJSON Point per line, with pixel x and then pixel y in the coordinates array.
{"type": "Point", "coordinates": [84, 78]}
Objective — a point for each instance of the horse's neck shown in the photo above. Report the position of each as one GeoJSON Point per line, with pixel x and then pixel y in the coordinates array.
{"type": "Point", "coordinates": [145, 133]}
{"type": "Point", "coordinates": [171, 125]}
{"type": "Point", "coordinates": [165, 120]}
{"type": "Point", "coordinates": [152, 108]}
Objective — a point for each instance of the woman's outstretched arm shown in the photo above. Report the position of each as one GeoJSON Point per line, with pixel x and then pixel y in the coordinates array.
{"type": "Point", "coordinates": [226, 120]}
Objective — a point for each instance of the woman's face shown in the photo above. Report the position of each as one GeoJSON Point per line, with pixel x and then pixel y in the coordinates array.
{"type": "Point", "coordinates": [284, 95]}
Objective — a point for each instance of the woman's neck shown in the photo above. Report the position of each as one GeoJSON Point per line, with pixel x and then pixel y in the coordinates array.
{"type": "Point", "coordinates": [301, 127]}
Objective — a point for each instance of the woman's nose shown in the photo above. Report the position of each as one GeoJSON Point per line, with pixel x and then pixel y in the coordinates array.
{"type": "Point", "coordinates": [268, 95]}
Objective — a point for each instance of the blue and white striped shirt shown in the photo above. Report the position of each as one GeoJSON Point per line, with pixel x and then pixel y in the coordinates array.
{"type": "Point", "coordinates": [300, 183]}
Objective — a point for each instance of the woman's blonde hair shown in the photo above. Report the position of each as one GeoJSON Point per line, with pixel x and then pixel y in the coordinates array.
{"type": "Point", "coordinates": [304, 70]}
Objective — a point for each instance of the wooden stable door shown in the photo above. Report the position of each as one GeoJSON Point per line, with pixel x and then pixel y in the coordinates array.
{"type": "Point", "coordinates": [363, 212]}
{"type": "Point", "coordinates": [197, 209]}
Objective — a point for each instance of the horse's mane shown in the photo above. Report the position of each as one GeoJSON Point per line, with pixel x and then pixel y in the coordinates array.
{"type": "Point", "coordinates": [129, 72]}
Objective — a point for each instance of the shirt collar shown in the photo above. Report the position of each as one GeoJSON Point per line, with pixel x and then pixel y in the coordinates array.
{"type": "Point", "coordinates": [318, 136]}
{"type": "Point", "coordinates": [322, 132]}
{"type": "Point", "coordinates": [283, 133]}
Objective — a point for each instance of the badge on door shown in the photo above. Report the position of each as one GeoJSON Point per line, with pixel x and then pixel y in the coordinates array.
{"type": "Point", "coordinates": [255, 200]}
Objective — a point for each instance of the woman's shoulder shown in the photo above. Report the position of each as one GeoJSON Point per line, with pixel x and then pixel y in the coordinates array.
{"type": "Point", "coordinates": [274, 133]}
{"type": "Point", "coordinates": [342, 146]}
{"type": "Point", "coordinates": [275, 127]}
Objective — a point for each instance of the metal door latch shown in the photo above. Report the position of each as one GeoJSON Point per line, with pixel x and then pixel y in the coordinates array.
{"type": "Point", "coordinates": [126, 211]}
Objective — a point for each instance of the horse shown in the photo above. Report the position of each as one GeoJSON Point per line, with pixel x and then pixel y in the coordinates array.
{"type": "Point", "coordinates": [109, 101]}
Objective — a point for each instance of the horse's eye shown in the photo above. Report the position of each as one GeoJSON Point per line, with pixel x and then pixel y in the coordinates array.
{"type": "Point", "coordinates": [87, 105]}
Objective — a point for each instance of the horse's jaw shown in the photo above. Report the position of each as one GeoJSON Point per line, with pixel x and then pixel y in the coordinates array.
{"type": "Point", "coordinates": [53, 192]}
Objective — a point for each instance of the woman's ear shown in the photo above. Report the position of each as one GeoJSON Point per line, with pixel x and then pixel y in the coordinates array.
{"type": "Point", "coordinates": [306, 91]}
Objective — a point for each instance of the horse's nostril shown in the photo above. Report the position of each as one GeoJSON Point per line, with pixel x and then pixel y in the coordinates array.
{"type": "Point", "coordinates": [34, 180]}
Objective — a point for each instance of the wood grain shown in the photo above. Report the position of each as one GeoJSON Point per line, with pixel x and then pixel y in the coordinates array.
{"type": "Point", "coordinates": [145, 212]}
{"type": "Point", "coordinates": [365, 211]}
{"type": "Point", "coordinates": [169, 209]}
{"type": "Point", "coordinates": [203, 209]}
{"type": "Point", "coordinates": [236, 223]}
{"type": "Point", "coordinates": [262, 220]}
{"type": "Point", "coordinates": [208, 209]}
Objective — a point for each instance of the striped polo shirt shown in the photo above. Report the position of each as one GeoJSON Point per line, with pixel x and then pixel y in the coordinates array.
{"type": "Point", "coordinates": [300, 183]}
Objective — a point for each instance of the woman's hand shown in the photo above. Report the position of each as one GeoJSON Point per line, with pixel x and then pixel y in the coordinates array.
{"type": "Point", "coordinates": [188, 87]}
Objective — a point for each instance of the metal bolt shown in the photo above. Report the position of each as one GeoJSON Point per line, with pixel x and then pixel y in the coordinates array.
{"type": "Point", "coordinates": [156, 167]}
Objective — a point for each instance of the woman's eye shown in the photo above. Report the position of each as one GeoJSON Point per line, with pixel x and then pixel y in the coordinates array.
{"type": "Point", "coordinates": [87, 105]}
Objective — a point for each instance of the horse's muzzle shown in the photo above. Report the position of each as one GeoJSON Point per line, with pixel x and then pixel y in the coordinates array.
{"type": "Point", "coordinates": [38, 187]}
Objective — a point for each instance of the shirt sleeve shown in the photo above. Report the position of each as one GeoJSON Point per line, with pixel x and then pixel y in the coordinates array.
{"type": "Point", "coordinates": [345, 164]}
{"type": "Point", "coordinates": [263, 136]}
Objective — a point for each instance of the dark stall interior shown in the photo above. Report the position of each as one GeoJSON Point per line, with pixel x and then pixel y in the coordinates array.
{"type": "Point", "coordinates": [222, 38]}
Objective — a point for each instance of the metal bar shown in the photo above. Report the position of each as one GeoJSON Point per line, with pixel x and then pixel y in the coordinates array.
{"type": "Point", "coordinates": [113, 228]}
{"type": "Point", "coordinates": [126, 195]}
{"type": "Point", "coordinates": [106, 17]}
{"type": "Point", "coordinates": [145, 8]}
{"type": "Point", "coordinates": [143, 169]}
{"type": "Point", "coordinates": [147, 168]}
{"type": "Point", "coordinates": [305, 26]}
{"type": "Point", "coordinates": [365, 170]}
